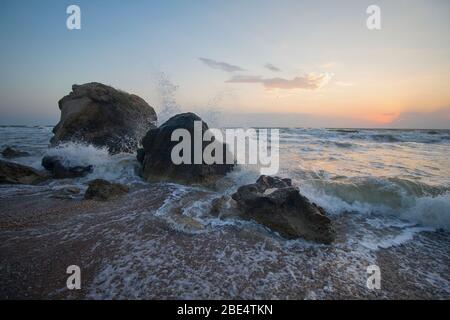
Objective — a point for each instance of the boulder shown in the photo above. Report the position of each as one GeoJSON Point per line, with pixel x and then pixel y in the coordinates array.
{"type": "Point", "coordinates": [103, 190]}
{"type": "Point", "coordinates": [9, 152]}
{"type": "Point", "coordinates": [59, 170]}
{"type": "Point", "coordinates": [157, 148]}
{"type": "Point", "coordinates": [14, 173]}
{"type": "Point", "coordinates": [100, 115]}
{"type": "Point", "coordinates": [276, 204]}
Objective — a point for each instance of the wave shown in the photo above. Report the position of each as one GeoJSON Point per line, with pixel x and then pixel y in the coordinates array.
{"type": "Point", "coordinates": [118, 167]}
{"type": "Point", "coordinates": [394, 136]}
{"type": "Point", "coordinates": [365, 135]}
{"type": "Point", "coordinates": [410, 200]}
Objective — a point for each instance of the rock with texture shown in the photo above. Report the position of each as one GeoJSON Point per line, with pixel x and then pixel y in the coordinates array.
{"type": "Point", "coordinates": [9, 153]}
{"type": "Point", "coordinates": [100, 115]}
{"type": "Point", "coordinates": [59, 170]}
{"type": "Point", "coordinates": [156, 158]}
{"type": "Point", "coordinates": [103, 190]}
{"type": "Point", "coordinates": [14, 173]}
{"type": "Point", "coordinates": [276, 204]}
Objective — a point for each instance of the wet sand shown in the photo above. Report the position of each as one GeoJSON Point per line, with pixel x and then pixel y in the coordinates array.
{"type": "Point", "coordinates": [127, 249]}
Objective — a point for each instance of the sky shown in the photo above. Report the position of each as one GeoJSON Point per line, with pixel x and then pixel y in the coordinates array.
{"type": "Point", "coordinates": [258, 62]}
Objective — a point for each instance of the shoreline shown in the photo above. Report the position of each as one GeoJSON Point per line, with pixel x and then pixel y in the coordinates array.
{"type": "Point", "coordinates": [126, 249]}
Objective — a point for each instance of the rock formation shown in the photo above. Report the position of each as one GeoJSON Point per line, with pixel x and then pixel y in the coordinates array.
{"type": "Point", "coordinates": [9, 152]}
{"type": "Point", "coordinates": [61, 171]}
{"type": "Point", "coordinates": [14, 173]}
{"type": "Point", "coordinates": [97, 114]}
{"type": "Point", "coordinates": [103, 190]}
{"type": "Point", "coordinates": [157, 148]}
{"type": "Point", "coordinates": [275, 203]}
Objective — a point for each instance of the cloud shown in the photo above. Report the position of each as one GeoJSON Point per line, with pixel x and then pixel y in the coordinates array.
{"type": "Point", "coordinates": [329, 65]}
{"type": "Point", "coordinates": [437, 119]}
{"type": "Point", "coordinates": [345, 84]}
{"type": "Point", "coordinates": [220, 65]}
{"type": "Point", "coordinates": [309, 81]}
{"type": "Point", "coordinates": [271, 67]}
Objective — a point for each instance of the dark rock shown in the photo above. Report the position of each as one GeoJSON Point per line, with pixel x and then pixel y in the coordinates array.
{"type": "Point", "coordinates": [224, 207]}
{"type": "Point", "coordinates": [97, 114]}
{"type": "Point", "coordinates": [140, 155]}
{"type": "Point", "coordinates": [275, 203]}
{"type": "Point", "coordinates": [66, 193]}
{"type": "Point", "coordinates": [186, 223]}
{"type": "Point", "coordinates": [55, 165]}
{"type": "Point", "coordinates": [156, 155]}
{"type": "Point", "coordinates": [14, 173]}
{"type": "Point", "coordinates": [9, 152]}
{"type": "Point", "coordinates": [102, 190]}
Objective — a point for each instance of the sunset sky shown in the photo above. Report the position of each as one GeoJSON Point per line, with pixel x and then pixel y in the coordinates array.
{"type": "Point", "coordinates": [292, 63]}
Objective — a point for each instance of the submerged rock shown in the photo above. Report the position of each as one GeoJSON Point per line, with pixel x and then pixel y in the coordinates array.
{"type": "Point", "coordinates": [103, 190]}
{"type": "Point", "coordinates": [224, 207]}
{"type": "Point", "coordinates": [157, 148]}
{"type": "Point", "coordinates": [55, 165]}
{"type": "Point", "coordinates": [9, 152]}
{"type": "Point", "coordinates": [14, 173]}
{"type": "Point", "coordinates": [186, 223]}
{"type": "Point", "coordinates": [103, 116]}
{"type": "Point", "coordinates": [275, 203]}
{"type": "Point", "coordinates": [66, 193]}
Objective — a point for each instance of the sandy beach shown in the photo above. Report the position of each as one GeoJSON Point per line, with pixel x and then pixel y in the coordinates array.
{"type": "Point", "coordinates": [125, 249]}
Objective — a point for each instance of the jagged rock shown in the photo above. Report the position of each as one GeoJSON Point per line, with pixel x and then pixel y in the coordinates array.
{"type": "Point", "coordinates": [58, 170]}
{"type": "Point", "coordinates": [14, 173]}
{"type": "Point", "coordinates": [275, 203]}
{"type": "Point", "coordinates": [97, 114]}
{"type": "Point", "coordinates": [103, 190]}
{"type": "Point", "coordinates": [156, 154]}
{"type": "Point", "coordinates": [9, 152]}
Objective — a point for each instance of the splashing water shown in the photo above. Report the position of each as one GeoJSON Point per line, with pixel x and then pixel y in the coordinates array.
{"type": "Point", "coordinates": [169, 106]}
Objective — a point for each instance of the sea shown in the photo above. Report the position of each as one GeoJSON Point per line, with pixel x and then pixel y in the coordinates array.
{"type": "Point", "coordinates": [386, 190]}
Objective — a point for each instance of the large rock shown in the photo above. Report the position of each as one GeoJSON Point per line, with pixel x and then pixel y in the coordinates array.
{"type": "Point", "coordinates": [156, 158]}
{"type": "Point", "coordinates": [103, 116]}
{"type": "Point", "coordinates": [9, 152]}
{"type": "Point", "coordinates": [14, 173]}
{"type": "Point", "coordinates": [59, 170]}
{"type": "Point", "coordinates": [275, 203]}
{"type": "Point", "coordinates": [103, 190]}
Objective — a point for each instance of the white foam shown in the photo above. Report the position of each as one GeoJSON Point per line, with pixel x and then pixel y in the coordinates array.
{"type": "Point", "coordinates": [430, 211]}
{"type": "Point", "coordinates": [118, 167]}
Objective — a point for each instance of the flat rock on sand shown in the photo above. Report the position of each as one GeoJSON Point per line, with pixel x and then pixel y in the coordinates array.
{"type": "Point", "coordinates": [14, 173]}
{"type": "Point", "coordinates": [103, 190]}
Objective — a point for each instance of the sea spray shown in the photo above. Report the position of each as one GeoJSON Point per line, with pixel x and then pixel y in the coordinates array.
{"type": "Point", "coordinates": [167, 91]}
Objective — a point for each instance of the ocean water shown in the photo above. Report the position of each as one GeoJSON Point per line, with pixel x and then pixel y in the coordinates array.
{"type": "Point", "coordinates": [400, 173]}
{"type": "Point", "coordinates": [383, 188]}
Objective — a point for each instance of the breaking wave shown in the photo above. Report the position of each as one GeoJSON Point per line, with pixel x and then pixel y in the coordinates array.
{"type": "Point", "coordinates": [413, 201]}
